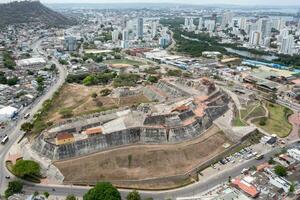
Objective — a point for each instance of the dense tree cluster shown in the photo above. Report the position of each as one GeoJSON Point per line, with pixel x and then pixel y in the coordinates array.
{"type": "Point", "coordinates": [8, 60]}
{"type": "Point", "coordinates": [28, 168]}
{"type": "Point", "coordinates": [13, 188]}
{"type": "Point", "coordinates": [102, 191]}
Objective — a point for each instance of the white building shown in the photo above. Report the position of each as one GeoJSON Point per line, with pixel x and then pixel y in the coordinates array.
{"type": "Point", "coordinates": [242, 23]}
{"type": "Point", "coordinates": [255, 38]}
{"type": "Point", "coordinates": [7, 113]}
{"type": "Point", "coordinates": [210, 25]}
{"type": "Point", "coordinates": [31, 62]}
{"type": "Point", "coordinates": [200, 25]}
{"type": "Point", "coordinates": [294, 153]}
{"type": "Point", "coordinates": [153, 29]}
{"type": "Point", "coordinates": [264, 26]}
{"type": "Point", "coordinates": [280, 182]}
{"type": "Point", "coordinates": [115, 35]}
{"type": "Point", "coordinates": [226, 19]}
{"type": "Point", "coordinates": [288, 45]}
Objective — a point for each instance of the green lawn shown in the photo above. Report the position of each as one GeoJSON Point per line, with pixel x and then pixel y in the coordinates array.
{"type": "Point", "coordinates": [123, 61]}
{"type": "Point", "coordinates": [277, 121]}
{"type": "Point", "coordinates": [237, 122]}
{"type": "Point", "coordinates": [256, 112]}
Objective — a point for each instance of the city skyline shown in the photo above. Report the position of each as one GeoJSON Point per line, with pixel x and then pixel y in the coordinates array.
{"type": "Point", "coordinates": [212, 2]}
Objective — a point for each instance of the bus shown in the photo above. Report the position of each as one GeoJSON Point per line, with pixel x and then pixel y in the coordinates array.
{"type": "Point", "coordinates": [4, 140]}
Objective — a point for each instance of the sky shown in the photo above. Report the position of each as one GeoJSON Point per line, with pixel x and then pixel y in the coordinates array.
{"type": "Point", "coordinates": [234, 2]}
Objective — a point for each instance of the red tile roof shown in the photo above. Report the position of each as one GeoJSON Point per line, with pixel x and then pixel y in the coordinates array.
{"type": "Point", "coordinates": [64, 136]}
{"type": "Point", "coordinates": [246, 187]}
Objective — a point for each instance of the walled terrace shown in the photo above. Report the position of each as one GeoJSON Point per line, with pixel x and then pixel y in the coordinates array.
{"type": "Point", "coordinates": [184, 109]}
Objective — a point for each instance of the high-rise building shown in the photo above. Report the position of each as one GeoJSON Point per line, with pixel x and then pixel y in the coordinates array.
{"type": "Point", "coordinates": [226, 19]}
{"type": "Point", "coordinates": [186, 22]}
{"type": "Point", "coordinates": [255, 38]}
{"type": "Point", "coordinates": [267, 41]}
{"type": "Point", "coordinates": [140, 28]}
{"type": "Point", "coordinates": [153, 29]}
{"type": "Point", "coordinates": [242, 23]}
{"type": "Point", "coordinates": [189, 23]}
{"type": "Point", "coordinates": [115, 35]}
{"type": "Point", "coordinates": [200, 25]}
{"type": "Point", "coordinates": [164, 41]}
{"type": "Point", "coordinates": [278, 24]}
{"type": "Point", "coordinates": [125, 38]}
{"type": "Point", "coordinates": [125, 35]}
{"type": "Point", "coordinates": [210, 25]}
{"type": "Point", "coordinates": [288, 45]}
{"type": "Point", "coordinates": [264, 26]}
{"type": "Point", "coordinates": [283, 33]}
{"type": "Point", "coordinates": [70, 43]}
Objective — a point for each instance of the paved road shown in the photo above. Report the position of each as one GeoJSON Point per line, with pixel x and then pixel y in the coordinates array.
{"type": "Point", "coordinates": [190, 190]}
{"type": "Point", "coordinates": [15, 133]}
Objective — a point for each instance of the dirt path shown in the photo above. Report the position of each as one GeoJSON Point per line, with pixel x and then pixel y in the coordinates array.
{"type": "Point", "coordinates": [294, 119]}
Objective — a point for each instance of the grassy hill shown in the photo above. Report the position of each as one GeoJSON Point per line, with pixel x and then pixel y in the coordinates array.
{"type": "Point", "coordinates": [31, 11]}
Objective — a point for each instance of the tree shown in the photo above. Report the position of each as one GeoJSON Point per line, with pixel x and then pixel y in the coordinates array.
{"type": "Point", "coordinates": [66, 113]}
{"type": "Point", "coordinates": [46, 194]}
{"type": "Point", "coordinates": [134, 195]}
{"type": "Point", "coordinates": [26, 127]}
{"type": "Point", "coordinates": [153, 79]}
{"type": "Point", "coordinates": [36, 193]}
{"type": "Point", "coordinates": [102, 191]}
{"type": "Point", "coordinates": [94, 95]}
{"type": "Point", "coordinates": [89, 80]}
{"type": "Point", "coordinates": [12, 81]}
{"type": "Point", "coordinates": [292, 187]}
{"type": "Point", "coordinates": [271, 161]}
{"type": "Point", "coordinates": [13, 187]}
{"type": "Point", "coordinates": [280, 170]}
{"type": "Point", "coordinates": [105, 92]}
{"type": "Point", "coordinates": [71, 197]}
{"type": "Point", "coordinates": [25, 168]}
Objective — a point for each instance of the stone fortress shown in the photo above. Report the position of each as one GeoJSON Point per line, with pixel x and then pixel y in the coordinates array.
{"type": "Point", "coordinates": [182, 109]}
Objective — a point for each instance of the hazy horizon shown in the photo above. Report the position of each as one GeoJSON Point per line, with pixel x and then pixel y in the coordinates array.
{"type": "Point", "coordinates": [199, 2]}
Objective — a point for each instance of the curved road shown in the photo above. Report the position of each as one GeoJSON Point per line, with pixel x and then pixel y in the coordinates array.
{"type": "Point", "coordinates": [15, 133]}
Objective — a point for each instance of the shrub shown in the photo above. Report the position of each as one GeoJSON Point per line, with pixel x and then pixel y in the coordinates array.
{"type": "Point", "coordinates": [280, 170]}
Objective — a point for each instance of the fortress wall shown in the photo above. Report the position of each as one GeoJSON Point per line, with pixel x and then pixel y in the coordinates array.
{"type": "Point", "coordinates": [171, 89]}
{"type": "Point", "coordinates": [143, 135]}
{"type": "Point", "coordinates": [217, 111]}
{"type": "Point", "coordinates": [44, 148]}
{"type": "Point", "coordinates": [153, 135]}
{"type": "Point", "coordinates": [99, 143]}
{"type": "Point", "coordinates": [152, 95]}
{"type": "Point", "coordinates": [188, 132]}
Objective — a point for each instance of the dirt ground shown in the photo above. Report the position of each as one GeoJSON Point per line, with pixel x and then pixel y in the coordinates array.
{"type": "Point", "coordinates": [144, 161]}
{"type": "Point", "coordinates": [78, 98]}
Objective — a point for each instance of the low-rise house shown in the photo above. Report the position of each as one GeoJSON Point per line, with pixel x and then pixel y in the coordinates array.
{"type": "Point", "coordinates": [92, 131]}
{"type": "Point", "coordinates": [246, 187]}
{"type": "Point", "coordinates": [64, 138]}
{"type": "Point", "coordinates": [294, 153]}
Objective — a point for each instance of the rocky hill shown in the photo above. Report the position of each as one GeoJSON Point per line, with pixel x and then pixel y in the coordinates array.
{"type": "Point", "coordinates": [31, 11]}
